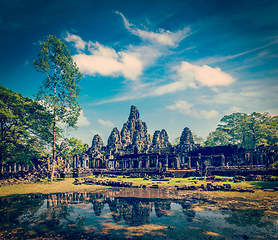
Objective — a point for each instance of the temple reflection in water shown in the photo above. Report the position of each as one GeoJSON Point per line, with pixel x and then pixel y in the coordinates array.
{"type": "Point", "coordinates": [134, 211]}
{"type": "Point", "coordinates": [126, 212]}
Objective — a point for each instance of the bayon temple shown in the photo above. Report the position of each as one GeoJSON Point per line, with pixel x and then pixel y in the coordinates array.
{"type": "Point", "coordinates": [134, 150]}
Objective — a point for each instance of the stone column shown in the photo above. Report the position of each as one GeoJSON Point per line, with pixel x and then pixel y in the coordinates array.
{"type": "Point", "coordinates": [222, 160]}
{"type": "Point", "coordinates": [189, 161]}
{"type": "Point", "coordinates": [156, 161]}
{"type": "Point", "coordinates": [198, 161]}
{"type": "Point", "coordinates": [15, 167]}
{"type": "Point", "coordinates": [166, 161]}
{"type": "Point", "coordinates": [84, 162]}
{"type": "Point", "coordinates": [148, 162]}
{"type": "Point", "coordinates": [178, 162]}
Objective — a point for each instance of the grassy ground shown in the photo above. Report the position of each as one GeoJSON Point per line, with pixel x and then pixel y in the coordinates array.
{"type": "Point", "coordinates": [47, 187]}
{"type": "Point", "coordinates": [195, 181]}
{"type": "Point", "coordinates": [67, 186]}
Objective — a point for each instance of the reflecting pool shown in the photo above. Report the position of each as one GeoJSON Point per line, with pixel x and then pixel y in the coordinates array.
{"type": "Point", "coordinates": [136, 214]}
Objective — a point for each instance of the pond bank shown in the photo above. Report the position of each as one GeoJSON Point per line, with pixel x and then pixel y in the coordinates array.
{"type": "Point", "coordinates": [187, 184]}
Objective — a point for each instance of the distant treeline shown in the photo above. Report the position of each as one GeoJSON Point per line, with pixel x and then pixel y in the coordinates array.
{"type": "Point", "coordinates": [244, 130]}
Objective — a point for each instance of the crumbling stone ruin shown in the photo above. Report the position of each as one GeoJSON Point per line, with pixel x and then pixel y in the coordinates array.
{"type": "Point", "coordinates": [132, 149]}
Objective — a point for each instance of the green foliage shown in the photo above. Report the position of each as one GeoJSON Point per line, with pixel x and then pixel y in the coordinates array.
{"type": "Point", "coordinates": [59, 90]}
{"type": "Point", "coordinates": [217, 138]}
{"type": "Point", "coordinates": [246, 130]}
{"type": "Point", "coordinates": [197, 139]}
{"type": "Point", "coordinates": [25, 127]}
{"type": "Point", "coordinates": [71, 147]}
{"type": "Point", "coordinates": [77, 146]}
{"type": "Point", "coordinates": [275, 164]}
{"type": "Point", "coordinates": [176, 141]}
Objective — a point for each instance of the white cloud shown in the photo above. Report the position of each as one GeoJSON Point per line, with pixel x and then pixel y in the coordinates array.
{"type": "Point", "coordinates": [163, 37]}
{"type": "Point", "coordinates": [127, 64]}
{"type": "Point", "coordinates": [106, 62]}
{"type": "Point", "coordinates": [188, 75]}
{"type": "Point", "coordinates": [79, 43]}
{"type": "Point", "coordinates": [186, 108]}
{"type": "Point", "coordinates": [99, 50]}
{"type": "Point", "coordinates": [106, 123]}
{"type": "Point", "coordinates": [183, 106]}
{"type": "Point", "coordinates": [82, 120]}
{"type": "Point", "coordinates": [193, 75]}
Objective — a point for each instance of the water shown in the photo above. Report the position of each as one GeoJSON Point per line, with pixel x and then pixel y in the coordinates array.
{"type": "Point", "coordinates": [133, 213]}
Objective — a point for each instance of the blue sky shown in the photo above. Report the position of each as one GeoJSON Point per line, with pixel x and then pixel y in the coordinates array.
{"type": "Point", "coordinates": [182, 63]}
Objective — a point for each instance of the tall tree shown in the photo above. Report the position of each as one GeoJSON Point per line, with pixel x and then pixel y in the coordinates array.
{"type": "Point", "coordinates": [198, 139]}
{"type": "Point", "coordinates": [59, 90]}
{"type": "Point", "coordinates": [217, 138]}
{"type": "Point", "coordinates": [234, 125]}
{"type": "Point", "coordinates": [246, 130]}
{"type": "Point", "coordinates": [259, 128]}
{"type": "Point", "coordinates": [25, 127]}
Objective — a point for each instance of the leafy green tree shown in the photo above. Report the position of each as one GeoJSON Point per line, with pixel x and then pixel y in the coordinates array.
{"type": "Point", "coordinates": [76, 146]}
{"type": "Point", "coordinates": [59, 90]}
{"type": "Point", "coordinates": [25, 127]}
{"type": "Point", "coordinates": [217, 138]}
{"type": "Point", "coordinates": [272, 136]}
{"type": "Point", "coordinates": [258, 128]}
{"type": "Point", "coordinates": [246, 130]}
{"type": "Point", "coordinates": [197, 139]}
{"type": "Point", "coordinates": [233, 125]}
{"type": "Point", "coordinates": [71, 147]}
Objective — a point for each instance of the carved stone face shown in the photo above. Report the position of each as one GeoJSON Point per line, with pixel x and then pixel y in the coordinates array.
{"type": "Point", "coordinates": [97, 142]}
{"type": "Point", "coordinates": [156, 137]}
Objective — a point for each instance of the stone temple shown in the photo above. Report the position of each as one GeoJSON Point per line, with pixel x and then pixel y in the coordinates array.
{"type": "Point", "coordinates": [133, 149]}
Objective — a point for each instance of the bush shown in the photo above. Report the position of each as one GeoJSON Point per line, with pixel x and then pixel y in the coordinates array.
{"type": "Point", "coordinates": [275, 164]}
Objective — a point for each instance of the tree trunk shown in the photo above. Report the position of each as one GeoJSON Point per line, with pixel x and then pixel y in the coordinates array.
{"type": "Point", "coordinates": [54, 155]}
{"type": "Point", "coordinates": [54, 133]}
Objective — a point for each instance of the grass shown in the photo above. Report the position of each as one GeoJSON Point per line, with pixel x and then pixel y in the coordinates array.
{"type": "Point", "coordinates": [182, 181]}
{"type": "Point", "coordinates": [47, 187]}
{"type": "Point", "coordinates": [66, 185]}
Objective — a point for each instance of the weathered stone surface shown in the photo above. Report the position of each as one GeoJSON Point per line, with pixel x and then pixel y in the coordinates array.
{"type": "Point", "coordinates": [97, 142]}
{"type": "Point", "coordinates": [132, 149]}
{"type": "Point", "coordinates": [114, 141]}
{"type": "Point", "coordinates": [97, 145]}
{"type": "Point", "coordinates": [134, 135]}
{"type": "Point", "coordinates": [186, 137]}
{"type": "Point", "coordinates": [186, 141]}
{"type": "Point", "coordinates": [160, 140]}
